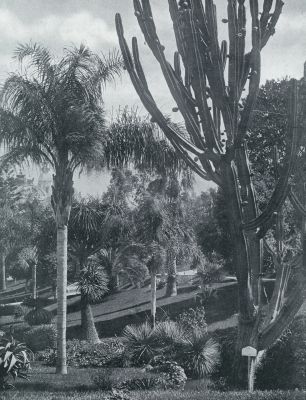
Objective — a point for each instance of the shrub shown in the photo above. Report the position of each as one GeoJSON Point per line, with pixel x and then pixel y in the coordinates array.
{"type": "Point", "coordinates": [194, 318]}
{"type": "Point", "coordinates": [284, 364]}
{"type": "Point", "coordinates": [199, 355]}
{"type": "Point", "coordinates": [41, 337]}
{"type": "Point", "coordinates": [172, 375]}
{"type": "Point", "coordinates": [141, 343]}
{"type": "Point", "coordinates": [20, 311]}
{"type": "Point", "coordinates": [14, 361]}
{"type": "Point", "coordinates": [18, 331]}
{"type": "Point", "coordinates": [83, 354]}
{"type": "Point", "coordinates": [170, 333]}
{"type": "Point", "coordinates": [38, 316]}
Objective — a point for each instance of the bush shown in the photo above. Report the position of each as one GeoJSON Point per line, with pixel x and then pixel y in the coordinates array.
{"type": "Point", "coordinates": [20, 311]}
{"type": "Point", "coordinates": [199, 355]}
{"type": "Point", "coordinates": [14, 361]}
{"type": "Point", "coordinates": [38, 316]}
{"type": "Point", "coordinates": [83, 354]}
{"type": "Point", "coordinates": [284, 364]}
{"type": "Point", "coordinates": [172, 375]}
{"type": "Point", "coordinates": [141, 343]}
{"type": "Point", "coordinates": [18, 331]}
{"type": "Point", "coordinates": [41, 337]}
{"type": "Point", "coordinates": [194, 318]}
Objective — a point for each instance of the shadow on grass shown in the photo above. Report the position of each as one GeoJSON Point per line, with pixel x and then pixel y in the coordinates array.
{"type": "Point", "coordinates": [49, 387]}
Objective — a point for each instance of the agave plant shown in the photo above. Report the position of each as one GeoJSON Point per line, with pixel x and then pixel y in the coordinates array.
{"type": "Point", "coordinates": [141, 342]}
{"type": "Point", "coordinates": [170, 334]}
{"type": "Point", "coordinates": [14, 361]}
{"type": "Point", "coordinates": [200, 354]}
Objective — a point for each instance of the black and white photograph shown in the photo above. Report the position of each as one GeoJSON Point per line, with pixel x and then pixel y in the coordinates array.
{"type": "Point", "coordinates": [152, 200]}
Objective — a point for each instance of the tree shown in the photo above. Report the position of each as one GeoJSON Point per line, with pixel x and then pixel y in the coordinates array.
{"type": "Point", "coordinates": [53, 113]}
{"type": "Point", "coordinates": [217, 130]}
{"type": "Point", "coordinates": [93, 284]}
{"type": "Point", "coordinates": [150, 218]}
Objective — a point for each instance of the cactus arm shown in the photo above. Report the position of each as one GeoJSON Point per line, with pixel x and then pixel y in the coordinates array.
{"type": "Point", "coordinates": [232, 65]}
{"type": "Point", "coordinates": [146, 96]}
{"type": "Point", "coordinates": [293, 303]}
{"type": "Point", "coordinates": [255, 65]}
{"type": "Point", "coordinates": [200, 90]}
{"type": "Point", "coordinates": [298, 206]}
{"type": "Point", "coordinates": [270, 27]}
{"type": "Point", "coordinates": [282, 187]}
{"type": "Point", "coordinates": [241, 44]}
{"type": "Point", "coordinates": [267, 30]}
{"type": "Point", "coordinates": [265, 16]}
{"type": "Point", "coordinates": [146, 23]}
{"type": "Point", "coordinates": [171, 133]}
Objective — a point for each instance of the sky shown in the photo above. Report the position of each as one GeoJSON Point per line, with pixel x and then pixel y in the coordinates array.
{"type": "Point", "coordinates": [57, 24]}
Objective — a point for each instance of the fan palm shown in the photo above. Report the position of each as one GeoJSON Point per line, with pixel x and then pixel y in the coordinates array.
{"type": "Point", "coordinates": [53, 113]}
{"type": "Point", "coordinates": [93, 284]}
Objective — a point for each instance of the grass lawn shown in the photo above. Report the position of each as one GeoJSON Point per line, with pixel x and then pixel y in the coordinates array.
{"type": "Point", "coordinates": [77, 385]}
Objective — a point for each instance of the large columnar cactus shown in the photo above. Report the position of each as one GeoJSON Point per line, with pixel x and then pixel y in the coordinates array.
{"type": "Point", "coordinates": [207, 80]}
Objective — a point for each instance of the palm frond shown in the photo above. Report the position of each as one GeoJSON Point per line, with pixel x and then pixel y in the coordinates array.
{"type": "Point", "coordinates": [39, 58]}
{"type": "Point", "coordinates": [93, 282]}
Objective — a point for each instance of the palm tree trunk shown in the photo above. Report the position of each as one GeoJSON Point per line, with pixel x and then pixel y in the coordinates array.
{"type": "Point", "coordinates": [3, 272]}
{"type": "Point", "coordinates": [153, 299]}
{"type": "Point", "coordinates": [89, 331]}
{"type": "Point", "coordinates": [34, 281]}
{"type": "Point", "coordinates": [171, 289]}
{"type": "Point", "coordinates": [61, 249]}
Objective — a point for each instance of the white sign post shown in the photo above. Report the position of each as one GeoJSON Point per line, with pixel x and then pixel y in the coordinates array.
{"type": "Point", "coordinates": [251, 353]}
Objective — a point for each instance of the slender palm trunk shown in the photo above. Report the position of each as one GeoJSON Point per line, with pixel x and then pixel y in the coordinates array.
{"type": "Point", "coordinates": [62, 238]}
{"type": "Point", "coordinates": [171, 289]}
{"type": "Point", "coordinates": [153, 299]}
{"type": "Point", "coordinates": [89, 331]}
{"type": "Point", "coordinates": [34, 281]}
{"type": "Point", "coordinates": [3, 272]}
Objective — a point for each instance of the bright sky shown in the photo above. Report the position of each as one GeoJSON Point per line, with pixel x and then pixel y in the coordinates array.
{"type": "Point", "coordinates": [62, 23]}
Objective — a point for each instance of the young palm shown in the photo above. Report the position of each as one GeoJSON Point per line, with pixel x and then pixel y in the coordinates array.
{"type": "Point", "coordinates": [93, 285]}
{"type": "Point", "coordinates": [151, 219]}
{"type": "Point", "coordinates": [52, 112]}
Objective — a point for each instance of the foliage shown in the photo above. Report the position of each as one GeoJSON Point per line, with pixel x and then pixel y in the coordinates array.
{"type": "Point", "coordinates": [170, 334]}
{"type": "Point", "coordinates": [93, 281]}
{"type": "Point", "coordinates": [227, 339]}
{"type": "Point", "coordinates": [199, 355]}
{"type": "Point", "coordinates": [18, 331]}
{"type": "Point", "coordinates": [172, 375]}
{"type": "Point", "coordinates": [14, 361]}
{"type": "Point", "coordinates": [11, 309]}
{"type": "Point", "coordinates": [38, 316]}
{"type": "Point", "coordinates": [196, 351]}
{"type": "Point", "coordinates": [284, 364]}
{"type": "Point", "coordinates": [41, 337]}
{"type": "Point", "coordinates": [193, 318]}
{"type": "Point", "coordinates": [141, 343]}
{"type": "Point", "coordinates": [103, 380]}
{"type": "Point", "coordinates": [83, 354]}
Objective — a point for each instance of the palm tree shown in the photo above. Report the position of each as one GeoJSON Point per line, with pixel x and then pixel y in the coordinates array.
{"type": "Point", "coordinates": [93, 284]}
{"type": "Point", "coordinates": [52, 112]}
{"type": "Point", "coordinates": [151, 220]}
